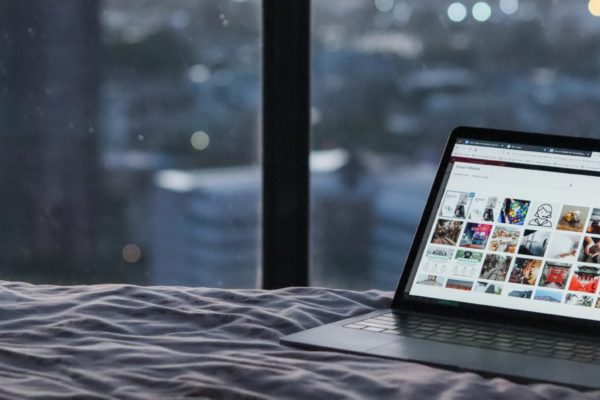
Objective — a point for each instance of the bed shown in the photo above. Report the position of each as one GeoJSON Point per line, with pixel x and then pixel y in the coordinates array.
{"type": "Point", "coordinates": [130, 342]}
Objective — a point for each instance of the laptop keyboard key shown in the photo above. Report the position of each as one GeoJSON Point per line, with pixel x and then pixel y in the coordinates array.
{"type": "Point", "coordinates": [373, 329]}
{"type": "Point", "coordinates": [354, 326]}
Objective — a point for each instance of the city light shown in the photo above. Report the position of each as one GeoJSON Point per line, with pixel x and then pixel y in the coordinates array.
{"type": "Point", "coordinates": [199, 140]}
{"type": "Point", "coordinates": [509, 7]}
{"type": "Point", "coordinates": [198, 73]}
{"type": "Point", "coordinates": [402, 12]}
{"type": "Point", "coordinates": [481, 11]}
{"type": "Point", "coordinates": [594, 7]}
{"type": "Point", "coordinates": [384, 5]}
{"type": "Point", "coordinates": [131, 253]}
{"type": "Point", "coordinates": [457, 12]}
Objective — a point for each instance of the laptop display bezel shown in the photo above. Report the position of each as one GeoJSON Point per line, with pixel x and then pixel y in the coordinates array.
{"type": "Point", "coordinates": [403, 301]}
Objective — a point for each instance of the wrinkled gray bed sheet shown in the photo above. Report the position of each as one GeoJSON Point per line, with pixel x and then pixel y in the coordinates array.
{"type": "Point", "coordinates": [129, 342]}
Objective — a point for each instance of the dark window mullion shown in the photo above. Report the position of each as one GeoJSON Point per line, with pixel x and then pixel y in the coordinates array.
{"type": "Point", "coordinates": [285, 129]}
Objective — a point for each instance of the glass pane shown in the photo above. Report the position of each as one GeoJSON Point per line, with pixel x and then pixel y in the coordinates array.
{"type": "Point", "coordinates": [129, 141]}
{"type": "Point", "coordinates": [389, 87]}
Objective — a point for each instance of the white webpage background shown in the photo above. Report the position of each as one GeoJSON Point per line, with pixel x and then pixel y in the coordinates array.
{"type": "Point", "coordinates": [525, 184]}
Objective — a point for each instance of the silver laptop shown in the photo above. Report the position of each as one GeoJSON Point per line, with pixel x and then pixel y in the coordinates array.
{"type": "Point", "coordinates": [503, 274]}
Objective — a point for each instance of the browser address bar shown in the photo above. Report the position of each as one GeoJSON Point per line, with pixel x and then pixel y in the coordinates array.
{"type": "Point", "coordinates": [527, 157]}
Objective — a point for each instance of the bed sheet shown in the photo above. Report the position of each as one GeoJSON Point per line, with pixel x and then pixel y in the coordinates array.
{"type": "Point", "coordinates": [131, 342]}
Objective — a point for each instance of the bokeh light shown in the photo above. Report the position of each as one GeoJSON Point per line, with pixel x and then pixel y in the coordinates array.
{"type": "Point", "coordinates": [198, 73]}
{"type": "Point", "coordinates": [594, 7]}
{"type": "Point", "coordinates": [481, 11]}
{"type": "Point", "coordinates": [200, 140]}
{"type": "Point", "coordinates": [509, 7]}
{"type": "Point", "coordinates": [457, 12]}
{"type": "Point", "coordinates": [384, 5]}
{"type": "Point", "coordinates": [131, 253]}
{"type": "Point", "coordinates": [402, 12]}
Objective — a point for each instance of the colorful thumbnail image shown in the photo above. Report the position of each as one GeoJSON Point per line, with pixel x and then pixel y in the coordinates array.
{"type": "Point", "coordinates": [594, 225]}
{"type": "Point", "coordinates": [542, 215]}
{"type": "Point", "coordinates": [564, 246]}
{"type": "Point", "coordinates": [504, 239]}
{"type": "Point", "coordinates": [430, 280]}
{"type": "Point", "coordinates": [456, 204]}
{"type": "Point", "coordinates": [513, 211]}
{"type": "Point", "coordinates": [483, 209]}
{"type": "Point", "coordinates": [446, 232]}
{"type": "Point", "coordinates": [459, 284]}
{"type": "Point", "coordinates": [548, 295]}
{"type": "Point", "coordinates": [495, 267]}
{"type": "Point", "coordinates": [525, 271]}
{"type": "Point", "coordinates": [577, 299]}
{"type": "Point", "coordinates": [522, 293]}
{"type": "Point", "coordinates": [585, 279]}
{"type": "Point", "coordinates": [555, 275]}
{"type": "Point", "coordinates": [590, 251]}
{"type": "Point", "coordinates": [440, 253]}
{"type": "Point", "coordinates": [475, 236]}
{"type": "Point", "coordinates": [572, 218]}
{"type": "Point", "coordinates": [487, 287]}
{"type": "Point", "coordinates": [534, 243]}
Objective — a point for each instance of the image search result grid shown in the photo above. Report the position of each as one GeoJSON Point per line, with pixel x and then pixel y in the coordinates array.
{"type": "Point", "coordinates": [537, 240]}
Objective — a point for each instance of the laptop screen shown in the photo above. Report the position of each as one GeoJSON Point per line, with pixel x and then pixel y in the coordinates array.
{"type": "Point", "coordinates": [515, 226]}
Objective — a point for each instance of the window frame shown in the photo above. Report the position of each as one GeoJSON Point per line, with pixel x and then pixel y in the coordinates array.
{"type": "Point", "coordinates": [285, 143]}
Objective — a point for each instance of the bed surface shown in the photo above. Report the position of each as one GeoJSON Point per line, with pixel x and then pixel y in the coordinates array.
{"type": "Point", "coordinates": [129, 342]}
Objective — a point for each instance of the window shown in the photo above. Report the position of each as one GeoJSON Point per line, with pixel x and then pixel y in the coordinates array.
{"type": "Point", "coordinates": [388, 87]}
{"type": "Point", "coordinates": [130, 142]}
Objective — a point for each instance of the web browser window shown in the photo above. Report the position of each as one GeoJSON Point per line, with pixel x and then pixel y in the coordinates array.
{"type": "Point", "coordinates": [515, 226]}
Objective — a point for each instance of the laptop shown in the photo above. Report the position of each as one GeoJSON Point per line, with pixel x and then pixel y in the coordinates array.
{"type": "Point", "coordinates": [502, 276]}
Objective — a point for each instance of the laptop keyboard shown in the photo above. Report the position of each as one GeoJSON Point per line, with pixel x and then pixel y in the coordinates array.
{"type": "Point", "coordinates": [489, 337]}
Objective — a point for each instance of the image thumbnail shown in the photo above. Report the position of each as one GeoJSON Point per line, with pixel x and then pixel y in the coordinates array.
{"type": "Point", "coordinates": [484, 209]}
{"type": "Point", "coordinates": [555, 275]}
{"type": "Point", "coordinates": [430, 280]}
{"type": "Point", "coordinates": [456, 204]}
{"type": "Point", "coordinates": [504, 239]}
{"type": "Point", "coordinates": [495, 267]}
{"type": "Point", "coordinates": [585, 279]}
{"type": "Point", "coordinates": [564, 246]}
{"type": "Point", "coordinates": [514, 211]}
{"type": "Point", "coordinates": [548, 295]}
{"type": "Point", "coordinates": [468, 256]}
{"type": "Point", "coordinates": [467, 263]}
{"type": "Point", "coordinates": [525, 271]}
{"type": "Point", "coordinates": [524, 294]}
{"type": "Point", "coordinates": [437, 259]}
{"type": "Point", "coordinates": [459, 284]}
{"type": "Point", "coordinates": [590, 251]}
{"type": "Point", "coordinates": [486, 287]}
{"type": "Point", "coordinates": [572, 218]}
{"type": "Point", "coordinates": [534, 243]}
{"type": "Point", "coordinates": [446, 232]}
{"type": "Point", "coordinates": [439, 253]}
{"type": "Point", "coordinates": [542, 215]}
{"type": "Point", "coordinates": [577, 299]}
{"type": "Point", "coordinates": [598, 303]}
{"type": "Point", "coordinates": [594, 225]}
{"type": "Point", "coordinates": [475, 236]}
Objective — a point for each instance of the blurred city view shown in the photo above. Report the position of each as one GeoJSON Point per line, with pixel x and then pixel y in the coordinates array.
{"type": "Point", "coordinates": [131, 131]}
{"type": "Point", "coordinates": [130, 141]}
{"type": "Point", "coordinates": [391, 78]}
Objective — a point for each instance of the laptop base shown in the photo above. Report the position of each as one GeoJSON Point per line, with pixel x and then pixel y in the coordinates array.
{"type": "Point", "coordinates": [514, 366]}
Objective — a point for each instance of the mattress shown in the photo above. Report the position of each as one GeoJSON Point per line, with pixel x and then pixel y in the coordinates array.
{"type": "Point", "coordinates": [130, 342]}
